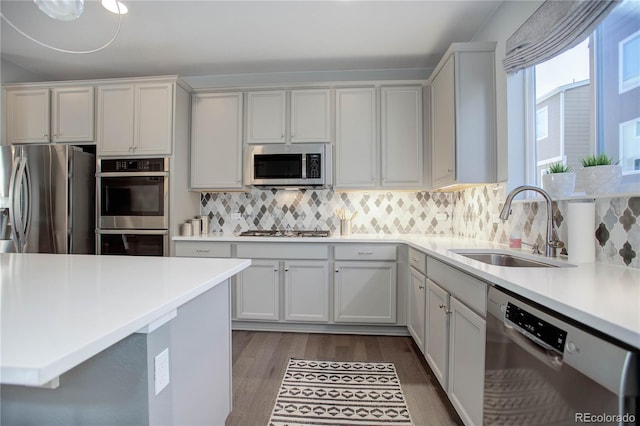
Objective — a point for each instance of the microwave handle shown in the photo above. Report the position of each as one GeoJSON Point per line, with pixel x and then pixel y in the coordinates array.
{"type": "Point", "coordinates": [132, 174]}
{"type": "Point", "coordinates": [304, 166]}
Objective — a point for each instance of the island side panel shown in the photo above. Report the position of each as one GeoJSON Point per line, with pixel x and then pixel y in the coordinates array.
{"type": "Point", "coordinates": [109, 388]}
{"type": "Point", "coordinates": [201, 359]}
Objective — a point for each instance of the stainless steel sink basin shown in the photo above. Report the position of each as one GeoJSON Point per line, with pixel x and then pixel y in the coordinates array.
{"type": "Point", "coordinates": [503, 258]}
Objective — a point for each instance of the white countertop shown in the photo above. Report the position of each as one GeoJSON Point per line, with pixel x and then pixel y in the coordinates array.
{"type": "Point", "coordinates": [602, 296]}
{"type": "Point", "coordinates": [60, 310]}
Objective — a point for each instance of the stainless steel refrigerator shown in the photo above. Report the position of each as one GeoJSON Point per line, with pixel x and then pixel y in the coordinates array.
{"type": "Point", "coordinates": [47, 199]}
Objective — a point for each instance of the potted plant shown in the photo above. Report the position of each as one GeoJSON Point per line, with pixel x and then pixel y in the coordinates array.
{"type": "Point", "coordinates": [600, 174]}
{"type": "Point", "coordinates": [559, 181]}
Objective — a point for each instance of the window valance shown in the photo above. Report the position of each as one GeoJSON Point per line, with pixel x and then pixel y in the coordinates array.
{"type": "Point", "coordinates": [556, 26]}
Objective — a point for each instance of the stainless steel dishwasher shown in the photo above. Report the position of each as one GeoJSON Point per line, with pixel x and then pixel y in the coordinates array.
{"type": "Point", "coordinates": [543, 370]}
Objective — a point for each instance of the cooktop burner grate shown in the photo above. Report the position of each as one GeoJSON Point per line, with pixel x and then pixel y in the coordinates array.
{"type": "Point", "coordinates": [284, 233]}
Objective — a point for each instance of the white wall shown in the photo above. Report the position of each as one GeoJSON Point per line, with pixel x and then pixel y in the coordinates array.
{"type": "Point", "coordinates": [510, 90]}
{"type": "Point", "coordinates": [12, 73]}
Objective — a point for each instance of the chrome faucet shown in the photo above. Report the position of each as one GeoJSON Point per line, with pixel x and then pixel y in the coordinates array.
{"type": "Point", "coordinates": [551, 241]}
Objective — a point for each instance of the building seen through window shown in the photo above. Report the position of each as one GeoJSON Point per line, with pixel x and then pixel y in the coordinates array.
{"type": "Point", "coordinates": [588, 98]}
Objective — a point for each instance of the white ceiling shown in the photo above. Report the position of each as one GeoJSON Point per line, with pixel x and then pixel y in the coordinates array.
{"type": "Point", "coordinates": [195, 38]}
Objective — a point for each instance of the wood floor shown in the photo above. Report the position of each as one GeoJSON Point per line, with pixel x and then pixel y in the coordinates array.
{"type": "Point", "coordinates": [260, 359]}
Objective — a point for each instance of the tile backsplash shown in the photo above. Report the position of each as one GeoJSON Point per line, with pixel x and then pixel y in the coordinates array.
{"type": "Point", "coordinates": [470, 213]}
{"type": "Point", "coordinates": [378, 212]}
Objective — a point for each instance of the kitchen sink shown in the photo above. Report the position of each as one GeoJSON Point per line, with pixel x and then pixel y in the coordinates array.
{"type": "Point", "coordinates": [505, 258]}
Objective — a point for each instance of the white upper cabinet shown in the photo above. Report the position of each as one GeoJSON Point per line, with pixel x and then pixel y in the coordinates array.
{"type": "Point", "coordinates": [356, 139]}
{"type": "Point", "coordinates": [44, 115]}
{"type": "Point", "coordinates": [310, 116]}
{"type": "Point", "coordinates": [271, 120]}
{"type": "Point", "coordinates": [216, 141]}
{"type": "Point", "coordinates": [463, 116]}
{"type": "Point", "coordinates": [402, 142]}
{"type": "Point", "coordinates": [266, 117]}
{"type": "Point", "coordinates": [135, 119]}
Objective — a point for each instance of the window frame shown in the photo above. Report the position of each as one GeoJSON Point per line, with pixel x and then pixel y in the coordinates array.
{"type": "Point", "coordinates": [634, 81]}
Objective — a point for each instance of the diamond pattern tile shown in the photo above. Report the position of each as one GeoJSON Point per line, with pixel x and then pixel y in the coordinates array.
{"type": "Point", "coordinates": [469, 213]}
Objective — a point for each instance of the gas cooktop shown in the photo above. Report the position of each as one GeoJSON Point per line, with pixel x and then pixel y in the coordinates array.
{"type": "Point", "coordinates": [283, 233]}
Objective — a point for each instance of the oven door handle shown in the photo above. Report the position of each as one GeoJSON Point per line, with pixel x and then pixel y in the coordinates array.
{"type": "Point", "coordinates": [549, 357]}
{"type": "Point", "coordinates": [132, 232]}
{"type": "Point", "coordinates": [132, 174]}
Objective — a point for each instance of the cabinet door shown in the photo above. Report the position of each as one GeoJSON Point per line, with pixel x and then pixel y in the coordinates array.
{"type": "Point", "coordinates": [310, 116]}
{"type": "Point", "coordinates": [401, 137]}
{"type": "Point", "coordinates": [365, 292]}
{"type": "Point", "coordinates": [153, 118]}
{"type": "Point", "coordinates": [416, 308]}
{"type": "Point", "coordinates": [466, 362]}
{"type": "Point", "coordinates": [306, 287]}
{"type": "Point", "coordinates": [115, 120]}
{"type": "Point", "coordinates": [28, 116]}
{"type": "Point", "coordinates": [72, 114]}
{"type": "Point", "coordinates": [216, 141]}
{"type": "Point", "coordinates": [443, 126]}
{"type": "Point", "coordinates": [257, 291]}
{"type": "Point", "coordinates": [437, 332]}
{"type": "Point", "coordinates": [356, 139]}
{"type": "Point", "coordinates": [266, 115]}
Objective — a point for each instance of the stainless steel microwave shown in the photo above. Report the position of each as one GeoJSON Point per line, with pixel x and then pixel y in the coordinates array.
{"type": "Point", "coordinates": [289, 165]}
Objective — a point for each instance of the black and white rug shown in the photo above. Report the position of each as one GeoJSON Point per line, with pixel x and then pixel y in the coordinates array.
{"type": "Point", "coordinates": [340, 393]}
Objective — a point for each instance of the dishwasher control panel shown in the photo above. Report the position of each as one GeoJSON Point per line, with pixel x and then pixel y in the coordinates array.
{"type": "Point", "coordinates": [548, 333]}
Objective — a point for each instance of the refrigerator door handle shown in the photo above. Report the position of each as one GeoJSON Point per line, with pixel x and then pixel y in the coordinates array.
{"type": "Point", "coordinates": [18, 214]}
{"type": "Point", "coordinates": [12, 205]}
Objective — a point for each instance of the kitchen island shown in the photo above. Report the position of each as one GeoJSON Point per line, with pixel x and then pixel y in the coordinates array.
{"type": "Point", "coordinates": [115, 339]}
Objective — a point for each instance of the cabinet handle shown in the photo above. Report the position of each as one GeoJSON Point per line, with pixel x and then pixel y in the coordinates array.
{"type": "Point", "coordinates": [44, 135]}
{"type": "Point", "coordinates": [275, 269]}
{"type": "Point", "coordinates": [286, 269]}
{"type": "Point", "coordinates": [421, 287]}
{"type": "Point", "coordinates": [445, 309]}
{"type": "Point", "coordinates": [365, 253]}
{"type": "Point", "coordinates": [202, 251]}
{"type": "Point", "coordinates": [449, 170]}
{"type": "Point", "coordinates": [337, 270]}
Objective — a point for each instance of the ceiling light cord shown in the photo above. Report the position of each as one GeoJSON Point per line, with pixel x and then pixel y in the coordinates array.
{"type": "Point", "coordinates": [57, 49]}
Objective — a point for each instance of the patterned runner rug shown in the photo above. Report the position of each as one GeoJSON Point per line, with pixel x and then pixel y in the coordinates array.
{"type": "Point", "coordinates": [340, 393]}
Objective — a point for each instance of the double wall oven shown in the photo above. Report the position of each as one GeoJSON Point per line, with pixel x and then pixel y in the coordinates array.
{"type": "Point", "coordinates": [133, 207]}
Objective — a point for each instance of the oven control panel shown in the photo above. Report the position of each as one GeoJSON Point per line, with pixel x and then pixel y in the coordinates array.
{"type": "Point", "coordinates": [134, 165]}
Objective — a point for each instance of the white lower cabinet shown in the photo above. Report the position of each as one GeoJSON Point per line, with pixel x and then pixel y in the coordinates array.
{"type": "Point", "coordinates": [466, 361]}
{"type": "Point", "coordinates": [437, 333]}
{"type": "Point", "coordinates": [365, 292]}
{"type": "Point", "coordinates": [306, 291]}
{"type": "Point", "coordinates": [416, 307]}
{"type": "Point", "coordinates": [258, 291]}
{"type": "Point", "coordinates": [455, 337]}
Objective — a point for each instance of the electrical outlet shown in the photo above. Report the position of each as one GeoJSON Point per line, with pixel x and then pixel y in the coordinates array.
{"type": "Point", "coordinates": [236, 216]}
{"type": "Point", "coordinates": [162, 370]}
{"type": "Point", "coordinates": [495, 217]}
{"type": "Point", "coordinates": [441, 216]}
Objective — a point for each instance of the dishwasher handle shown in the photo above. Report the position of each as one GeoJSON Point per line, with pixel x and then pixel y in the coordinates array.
{"type": "Point", "coordinates": [541, 351]}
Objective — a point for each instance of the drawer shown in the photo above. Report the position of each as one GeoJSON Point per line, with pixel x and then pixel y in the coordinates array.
{"type": "Point", "coordinates": [469, 290]}
{"type": "Point", "coordinates": [202, 249]}
{"type": "Point", "coordinates": [365, 252]}
{"type": "Point", "coordinates": [418, 260]}
{"type": "Point", "coordinates": [282, 251]}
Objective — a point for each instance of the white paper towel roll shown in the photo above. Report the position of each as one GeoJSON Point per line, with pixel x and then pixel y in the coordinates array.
{"type": "Point", "coordinates": [581, 219]}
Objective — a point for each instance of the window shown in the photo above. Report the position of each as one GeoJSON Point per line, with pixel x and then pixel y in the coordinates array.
{"type": "Point", "coordinates": [629, 62]}
{"type": "Point", "coordinates": [542, 123]}
{"type": "Point", "coordinates": [592, 98]}
{"type": "Point", "coordinates": [630, 147]}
